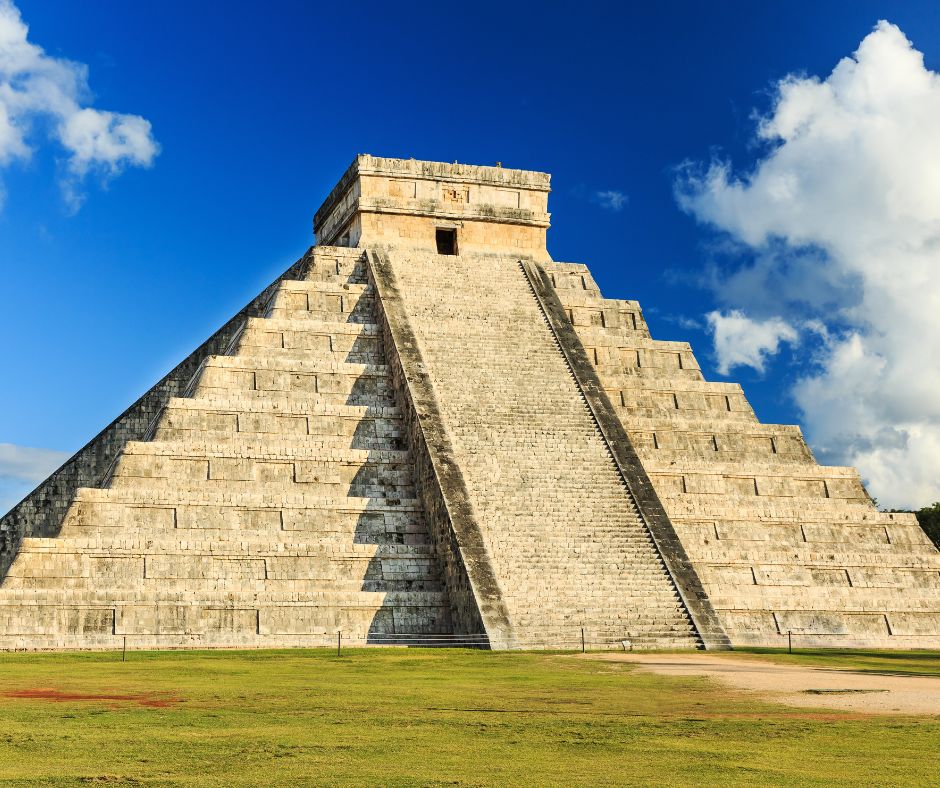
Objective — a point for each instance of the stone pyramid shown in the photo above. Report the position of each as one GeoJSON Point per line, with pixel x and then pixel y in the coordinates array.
{"type": "Point", "coordinates": [427, 431]}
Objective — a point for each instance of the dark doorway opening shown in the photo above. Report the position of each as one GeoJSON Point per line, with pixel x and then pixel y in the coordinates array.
{"type": "Point", "coordinates": [446, 240]}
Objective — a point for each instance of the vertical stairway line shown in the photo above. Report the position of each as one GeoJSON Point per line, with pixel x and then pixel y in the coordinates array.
{"type": "Point", "coordinates": [638, 485]}
{"type": "Point", "coordinates": [476, 597]}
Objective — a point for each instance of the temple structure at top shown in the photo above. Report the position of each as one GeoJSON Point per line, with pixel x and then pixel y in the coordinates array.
{"type": "Point", "coordinates": [438, 208]}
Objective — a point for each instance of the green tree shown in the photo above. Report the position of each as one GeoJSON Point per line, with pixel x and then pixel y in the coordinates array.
{"type": "Point", "coordinates": [929, 519]}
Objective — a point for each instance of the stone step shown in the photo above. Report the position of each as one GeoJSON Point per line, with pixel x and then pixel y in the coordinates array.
{"type": "Point", "coordinates": [241, 523]}
{"type": "Point", "coordinates": [22, 599]}
{"type": "Point", "coordinates": [367, 634]}
{"type": "Point", "coordinates": [661, 408]}
{"type": "Point", "coordinates": [759, 481]}
{"type": "Point", "coordinates": [293, 375]}
{"type": "Point", "coordinates": [317, 286]}
{"type": "Point", "coordinates": [689, 388]}
{"type": "Point", "coordinates": [571, 622]}
{"type": "Point", "coordinates": [260, 500]}
{"type": "Point", "coordinates": [375, 531]}
{"type": "Point", "coordinates": [207, 513]}
{"type": "Point", "coordinates": [681, 424]}
{"type": "Point", "coordinates": [342, 578]}
{"type": "Point", "coordinates": [761, 507]}
{"type": "Point", "coordinates": [612, 375]}
{"type": "Point", "coordinates": [288, 406]}
{"type": "Point", "coordinates": [251, 401]}
{"type": "Point", "coordinates": [743, 460]}
{"type": "Point", "coordinates": [166, 464]}
{"type": "Point", "coordinates": [532, 535]}
{"type": "Point", "coordinates": [833, 523]}
{"type": "Point", "coordinates": [664, 620]}
{"type": "Point", "coordinates": [335, 260]}
{"type": "Point", "coordinates": [46, 619]}
{"type": "Point", "coordinates": [340, 329]}
{"type": "Point", "coordinates": [346, 302]}
{"type": "Point", "coordinates": [116, 567]}
{"type": "Point", "coordinates": [718, 466]}
{"type": "Point", "coordinates": [297, 344]}
{"type": "Point", "coordinates": [169, 571]}
{"type": "Point", "coordinates": [903, 555]}
{"type": "Point", "coordinates": [870, 574]}
{"type": "Point", "coordinates": [640, 625]}
{"type": "Point", "coordinates": [363, 441]}
{"type": "Point", "coordinates": [259, 449]}
{"type": "Point", "coordinates": [301, 338]}
{"type": "Point", "coordinates": [604, 581]}
{"type": "Point", "coordinates": [843, 599]}
{"type": "Point", "coordinates": [283, 362]}
{"type": "Point", "coordinates": [364, 313]}
{"type": "Point", "coordinates": [141, 543]}
{"type": "Point", "coordinates": [641, 635]}
{"type": "Point", "coordinates": [375, 489]}
{"type": "Point", "coordinates": [276, 428]}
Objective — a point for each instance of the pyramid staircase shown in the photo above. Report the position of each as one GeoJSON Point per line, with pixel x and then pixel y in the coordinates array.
{"type": "Point", "coordinates": [563, 533]}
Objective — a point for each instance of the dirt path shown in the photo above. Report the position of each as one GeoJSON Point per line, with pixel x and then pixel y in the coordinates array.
{"type": "Point", "coordinates": [797, 685]}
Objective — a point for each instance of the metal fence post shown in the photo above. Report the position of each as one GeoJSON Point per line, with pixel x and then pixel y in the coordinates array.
{"type": "Point", "coordinates": [790, 641]}
{"type": "Point", "coordinates": [582, 640]}
{"type": "Point", "coordinates": [339, 642]}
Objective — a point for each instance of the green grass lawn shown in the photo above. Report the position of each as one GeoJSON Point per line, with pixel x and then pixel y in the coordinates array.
{"type": "Point", "coordinates": [431, 717]}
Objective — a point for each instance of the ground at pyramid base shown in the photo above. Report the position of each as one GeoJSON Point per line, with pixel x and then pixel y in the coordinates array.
{"type": "Point", "coordinates": [427, 430]}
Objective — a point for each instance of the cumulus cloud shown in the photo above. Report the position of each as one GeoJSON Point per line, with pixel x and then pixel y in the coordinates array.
{"type": "Point", "coordinates": [841, 214]}
{"type": "Point", "coordinates": [743, 342]}
{"type": "Point", "coordinates": [610, 200]}
{"type": "Point", "coordinates": [40, 93]}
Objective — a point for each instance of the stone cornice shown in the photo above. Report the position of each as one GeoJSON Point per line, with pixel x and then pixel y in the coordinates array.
{"type": "Point", "coordinates": [431, 170]}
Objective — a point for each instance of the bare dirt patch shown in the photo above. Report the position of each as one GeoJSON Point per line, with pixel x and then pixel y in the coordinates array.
{"type": "Point", "coordinates": [57, 696]}
{"type": "Point", "coordinates": [797, 685]}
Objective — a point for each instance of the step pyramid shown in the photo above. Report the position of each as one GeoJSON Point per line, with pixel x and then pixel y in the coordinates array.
{"type": "Point", "coordinates": [429, 432]}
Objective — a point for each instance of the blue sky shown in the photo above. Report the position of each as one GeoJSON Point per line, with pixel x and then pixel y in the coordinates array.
{"type": "Point", "coordinates": [114, 264]}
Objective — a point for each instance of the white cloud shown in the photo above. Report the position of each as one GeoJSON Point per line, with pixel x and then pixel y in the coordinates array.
{"type": "Point", "coordinates": [27, 464]}
{"type": "Point", "coordinates": [743, 342]}
{"type": "Point", "coordinates": [842, 212]}
{"type": "Point", "coordinates": [611, 200]}
{"type": "Point", "coordinates": [36, 87]}
{"type": "Point", "coordinates": [21, 468]}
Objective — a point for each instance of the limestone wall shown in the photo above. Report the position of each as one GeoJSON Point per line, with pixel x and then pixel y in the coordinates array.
{"type": "Point", "coordinates": [780, 543]}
